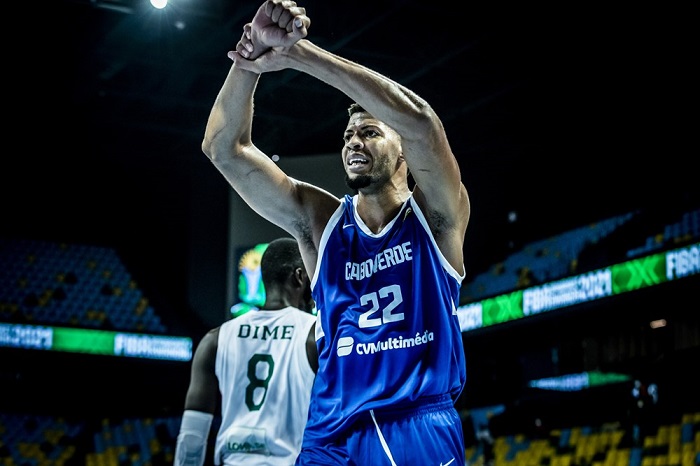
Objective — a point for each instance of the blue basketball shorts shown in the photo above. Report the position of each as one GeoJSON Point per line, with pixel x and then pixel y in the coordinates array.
{"type": "Point", "coordinates": [428, 434]}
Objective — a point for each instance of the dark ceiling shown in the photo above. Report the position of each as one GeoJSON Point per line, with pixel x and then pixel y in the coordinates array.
{"type": "Point", "coordinates": [566, 114]}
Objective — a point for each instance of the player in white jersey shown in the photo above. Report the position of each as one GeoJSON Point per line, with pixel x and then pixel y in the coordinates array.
{"type": "Point", "coordinates": [260, 366]}
{"type": "Point", "coordinates": [386, 265]}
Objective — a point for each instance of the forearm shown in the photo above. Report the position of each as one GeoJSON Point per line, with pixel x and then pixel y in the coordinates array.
{"type": "Point", "coordinates": [424, 142]}
{"type": "Point", "coordinates": [230, 121]}
{"type": "Point", "coordinates": [191, 447]}
{"type": "Point", "coordinates": [383, 97]}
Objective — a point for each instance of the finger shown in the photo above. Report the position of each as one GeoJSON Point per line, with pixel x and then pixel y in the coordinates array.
{"type": "Point", "coordinates": [245, 45]}
{"type": "Point", "coordinates": [246, 41]}
{"type": "Point", "coordinates": [285, 19]}
{"type": "Point", "coordinates": [241, 61]}
{"type": "Point", "coordinates": [242, 50]}
{"type": "Point", "coordinates": [245, 64]}
{"type": "Point", "coordinates": [269, 6]}
{"type": "Point", "coordinates": [298, 11]}
{"type": "Point", "coordinates": [301, 25]}
{"type": "Point", "coordinates": [276, 13]}
{"type": "Point", "coordinates": [281, 12]}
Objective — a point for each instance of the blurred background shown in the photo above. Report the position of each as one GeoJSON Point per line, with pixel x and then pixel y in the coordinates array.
{"type": "Point", "coordinates": [121, 244]}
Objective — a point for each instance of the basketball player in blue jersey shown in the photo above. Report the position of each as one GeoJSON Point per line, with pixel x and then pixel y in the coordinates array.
{"type": "Point", "coordinates": [261, 366]}
{"type": "Point", "coordinates": [386, 264]}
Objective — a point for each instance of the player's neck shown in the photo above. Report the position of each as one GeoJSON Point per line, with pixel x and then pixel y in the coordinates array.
{"type": "Point", "coordinates": [276, 303]}
{"type": "Point", "coordinates": [377, 211]}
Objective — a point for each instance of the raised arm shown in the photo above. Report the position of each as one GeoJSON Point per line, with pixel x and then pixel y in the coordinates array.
{"type": "Point", "coordinates": [297, 207]}
{"type": "Point", "coordinates": [439, 188]}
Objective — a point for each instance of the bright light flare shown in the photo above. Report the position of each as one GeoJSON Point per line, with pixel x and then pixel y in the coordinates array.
{"type": "Point", "coordinates": [657, 323]}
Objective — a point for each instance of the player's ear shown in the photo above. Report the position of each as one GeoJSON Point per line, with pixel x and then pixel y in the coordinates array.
{"type": "Point", "coordinates": [299, 276]}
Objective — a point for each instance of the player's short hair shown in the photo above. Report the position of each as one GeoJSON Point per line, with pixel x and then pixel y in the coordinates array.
{"type": "Point", "coordinates": [280, 260]}
{"type": "Point", "coordinates": [355, 108]}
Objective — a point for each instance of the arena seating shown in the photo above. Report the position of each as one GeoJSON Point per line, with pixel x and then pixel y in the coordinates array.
{"type": "Point", "coordinates": [49, 283]}
{"type": "Point", "coordinates": [674, 444]}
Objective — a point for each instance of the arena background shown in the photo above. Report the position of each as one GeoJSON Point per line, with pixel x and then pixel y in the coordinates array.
{"type": "Point", "coordinates": [560, 118]}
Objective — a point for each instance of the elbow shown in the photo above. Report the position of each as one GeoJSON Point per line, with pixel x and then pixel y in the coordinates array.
{"type": "Point", "coordinates": [224, 136]}
{"type": "Point", "coordinates": [219, 154]}
{"type": "Point", "coordinates": [218, 147]}
{"type": "Point", "coordinates": [208, 148]}
{"type": "Point", "coordinates": [213, 142]}
{"type": "Point", "coordinates": [422, 120]}
{"type": "Point", "coordinates": [214, 149]}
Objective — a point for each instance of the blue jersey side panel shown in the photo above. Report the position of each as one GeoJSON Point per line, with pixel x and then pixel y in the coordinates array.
{"type": "Point", "coordinates": [387, 311]}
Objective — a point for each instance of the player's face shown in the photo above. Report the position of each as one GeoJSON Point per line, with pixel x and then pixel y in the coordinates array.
{"type": "Point", "coordinates": [370, 152]}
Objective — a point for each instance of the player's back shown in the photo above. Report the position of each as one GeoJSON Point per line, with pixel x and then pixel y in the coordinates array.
{"type": "Point", "coordinates": [265, 381]}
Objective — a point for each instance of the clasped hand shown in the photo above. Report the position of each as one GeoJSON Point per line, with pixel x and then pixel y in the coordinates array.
{"type": "Point", "coordinates": [278, 24]}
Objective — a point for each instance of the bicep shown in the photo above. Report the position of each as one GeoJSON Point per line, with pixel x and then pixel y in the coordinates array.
{"type": "Point", "coordinates": [261, 184]}
{"type": "Point", "coordinates": [280, 199]}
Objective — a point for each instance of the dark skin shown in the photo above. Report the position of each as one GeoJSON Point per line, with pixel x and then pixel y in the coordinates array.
{"type": "Point", "coordinates": [203, 391]}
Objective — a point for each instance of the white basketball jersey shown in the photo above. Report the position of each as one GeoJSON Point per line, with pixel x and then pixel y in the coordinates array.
{"type": "Point", "coordinates": [265, 382]}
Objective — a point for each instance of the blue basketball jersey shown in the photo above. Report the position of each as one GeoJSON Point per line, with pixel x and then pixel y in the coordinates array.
{"type": "Point", "coordinates": [387, 329]}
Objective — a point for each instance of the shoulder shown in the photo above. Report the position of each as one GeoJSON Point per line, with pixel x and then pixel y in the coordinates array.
{"type": "Point", "coordinates": [210, 340]}
{"type": "Point", "coordinates": [301, 318]}
{"type": "Point", "coordinates": [317, 204]}
{"type": "Point", "coordinates": [301, 315]}
{"type": "Point", "coordinates": [205, 354]}
{"type": "Point", "coordinates": [212, 334]}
